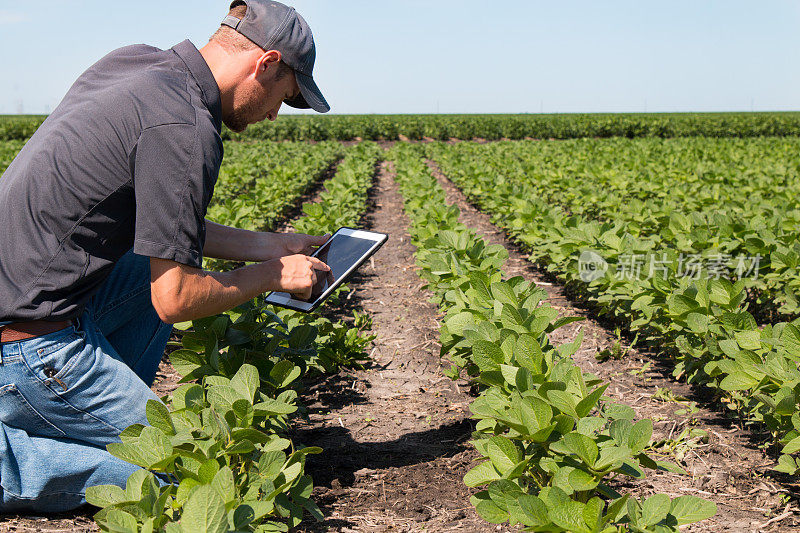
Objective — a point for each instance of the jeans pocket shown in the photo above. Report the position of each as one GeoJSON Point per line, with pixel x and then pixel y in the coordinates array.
{"type": "Point", "coordinates": [16, 411]}
{"type": "Point", "coordinates": [57, 360]}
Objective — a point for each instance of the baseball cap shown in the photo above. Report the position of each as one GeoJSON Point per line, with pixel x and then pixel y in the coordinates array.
{"type": "Point", "coordinates": [275, 26]}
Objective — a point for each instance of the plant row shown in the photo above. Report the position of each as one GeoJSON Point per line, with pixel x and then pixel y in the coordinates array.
{"type": "Point", "coordinates": [730, 203]}
{"type": "Point", "coordinates": [702, 322]}
{"type": "Point", "coordinates": [557, 126]}
{"type": "Point", "coordinates": [554, 448]}
{"type": "Point", "coordinates": [218, 459]}
{"type": "Point", "coordinates": [259, 182]}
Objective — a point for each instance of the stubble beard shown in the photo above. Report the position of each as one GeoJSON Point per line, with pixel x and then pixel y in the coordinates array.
{"type": "Point", "coordinates": [240, 118]}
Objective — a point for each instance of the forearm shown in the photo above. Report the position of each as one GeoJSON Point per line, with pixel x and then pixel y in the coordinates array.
{"type": "Point", "coordinates": [235, 244]}
{"type": "Point", "coordinates": [195, 293]}
{"type": "Point", "coordinates": [180, 292]}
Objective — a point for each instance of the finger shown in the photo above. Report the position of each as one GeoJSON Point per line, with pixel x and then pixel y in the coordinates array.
{"type": "Point", "coordinates": [316, 240]}
{"type": "Point", "coordinates": [319, 265]}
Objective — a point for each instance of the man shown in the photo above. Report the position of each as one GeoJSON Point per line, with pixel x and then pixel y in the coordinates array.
{"type": "Point", "coordinates": [103, 236]}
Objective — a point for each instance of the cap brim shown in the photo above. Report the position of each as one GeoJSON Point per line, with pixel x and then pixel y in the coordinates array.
{"type": "Point", "coordinates": [310, 96]}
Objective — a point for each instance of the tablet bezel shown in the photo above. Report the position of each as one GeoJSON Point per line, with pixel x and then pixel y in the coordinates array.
{"type": "Point", "coordinates": [288, 301]}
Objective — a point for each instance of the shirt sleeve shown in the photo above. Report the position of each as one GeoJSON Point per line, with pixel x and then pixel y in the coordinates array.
{"type": "Point", "coordinates": [173, 187]}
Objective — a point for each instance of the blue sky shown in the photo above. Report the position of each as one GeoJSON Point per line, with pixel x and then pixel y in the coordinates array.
{"type": "Point", "coordinates": [447, 56]}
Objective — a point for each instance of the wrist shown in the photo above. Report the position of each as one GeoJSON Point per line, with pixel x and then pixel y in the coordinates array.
{"type": "Point", "coordinates": [268, 246]}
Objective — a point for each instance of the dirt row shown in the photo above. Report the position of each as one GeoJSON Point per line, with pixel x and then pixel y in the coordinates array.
{"type": "Point", "coordinates": [395, 435]}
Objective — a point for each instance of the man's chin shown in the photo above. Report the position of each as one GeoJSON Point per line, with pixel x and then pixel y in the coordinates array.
{"type": "Point", "coordinates": [235, 124]}
{"type": "Point", "coordinates": [236, 128]}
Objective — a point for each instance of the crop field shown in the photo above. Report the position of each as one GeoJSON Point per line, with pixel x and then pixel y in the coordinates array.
{"type": "Point", "coordinates": [493, 127]}
{"type": "Point", "coordinates": [598, 331]}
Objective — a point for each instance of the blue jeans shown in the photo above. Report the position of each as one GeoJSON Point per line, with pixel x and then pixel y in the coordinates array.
{"type": "Point", "coordinates": [64, 396]}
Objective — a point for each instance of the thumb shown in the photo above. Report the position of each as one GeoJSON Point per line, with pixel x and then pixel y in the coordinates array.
{"type": "Point", "coordinates": [320, 240]}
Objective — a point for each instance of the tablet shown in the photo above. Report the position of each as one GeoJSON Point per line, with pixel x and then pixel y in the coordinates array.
{"type": "Point", "coordinates": [344, 252]}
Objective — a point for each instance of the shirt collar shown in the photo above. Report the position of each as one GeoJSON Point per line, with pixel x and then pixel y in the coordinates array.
{"type": "Point", "coordinates": [205, 79]}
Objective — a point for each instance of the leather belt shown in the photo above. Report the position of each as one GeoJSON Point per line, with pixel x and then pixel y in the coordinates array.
{"type": "Point", "coordinates": [20, 331]}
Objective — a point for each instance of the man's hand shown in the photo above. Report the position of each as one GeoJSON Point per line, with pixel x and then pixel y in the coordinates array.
{"type": "Point", "coordinates": [180, 293]}
{"type": "Point", "coordinates": [298, 273]}
{"type": "Point", "coordinates": [300, 243]}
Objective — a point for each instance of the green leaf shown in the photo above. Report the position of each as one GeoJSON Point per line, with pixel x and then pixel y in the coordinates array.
{"type": "Point", "coordinates": [509, 373]}
{"type": "Point", "coordinates": [251, 434]}
{"type": "Point", "coordinates": [481, 475]}
{"type": "Point", "coordinates": [246, 381]}
{"type": "Point", "coordinates": [787, 464]}
{"type": "Point", "coordinates": [271, 463]}
{"type": "Point", "coordinates": [793, 446]}
{"type": "Point", "coordinates": [528, 353]}
{"type": "Point", "coordinates": [221, 397]}
{"type": "Point", "coordinates": [104, 495]}
{"type": "Point", "coordinates": [738, 381]}
{"type": "Point", "coordinates": [274, 407]}
{"type": "Point", "coordinates": [679, 304]}
{"type": "Point", "coordinates": [188, 396]}
{"type": "Point", "coordinates": [133, 486]}
{"type": "Point", "coordinates": [748, 340]}
{"type": "Point", "coordinates": [655, 509]}
{"type": "Point", "coordinates": [119, 521]}
{"type": "Point", "coordinates": [185, 361]}
{"type": "Point", "coordinates": [456, 323]}
{"type": "Point", "coordinates": [586, 405]}
{"type": "Point", "coordinates": [535, 509]}
{"type": "Point", "coordinates": [223, 484]}
{"type": "Point", "coordinates": [503, 453]}
{"type": "Point", "coordinates": [564, 402]}
{"type": "Point", "coordinates": [569, 515]}
{"type": "Point", "coordinates": [490, 512]}
{"type": "Point", "coordinates": [640, 434]}
{"type": "Point", "coordinates": [690, 509]}
{"type": "Point", "coordinates": [611, 455]}
{"type": "Point", "coordinates": [504, 293]}
{"type": "Point", "coordinates": [283, 373]}
{"type": "Point", "coordinates": [580, 480]}
{"type": "Point", "coordinates": [504, 493]}
{"type": "Point", "coordinates": [242, 516]}
{"type": "Point", "coordinates": [697, 322]}
{"type": "Point", "coordinates": [487, 355]}
{"type": "Point", "coordinates": [151, 448]}
{"type": "Point", "coordinates": [729, 347]}
{"type": "Point", "coordinates": [205, 511]}
{"type": "Point", "coordinates": [208, 470]}
{"type": "Point", "coordinates": [158, 416]}
{"type": "Point", "coordinates": [582, 446]}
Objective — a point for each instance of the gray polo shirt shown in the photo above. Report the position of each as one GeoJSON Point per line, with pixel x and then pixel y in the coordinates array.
{"type": "Point", "coordinates": [129, 159]}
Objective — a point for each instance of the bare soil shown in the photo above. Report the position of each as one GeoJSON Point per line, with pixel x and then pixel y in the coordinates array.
{"type": "Point", "coordinates": [395, 435]}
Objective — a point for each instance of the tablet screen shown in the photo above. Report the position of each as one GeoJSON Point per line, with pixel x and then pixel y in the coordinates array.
{"type": "Point", "coordinates": [343, 253]}
{"type": "Point", "coordinates": [340, 253]}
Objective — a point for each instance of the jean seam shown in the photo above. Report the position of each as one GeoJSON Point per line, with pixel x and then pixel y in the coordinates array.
{"type": "Point", "coordinates": [116, 304]}
{"type": "Point", "coordinates": [32, 409]}
{"type": "Point", "coordinates": [67, 402]}
{"type": "Point", "coordinates": [21, 497]}
{"type": "Point", "coordinates": [58, 343]}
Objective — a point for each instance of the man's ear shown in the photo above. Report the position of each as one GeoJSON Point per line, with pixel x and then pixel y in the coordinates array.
{"type": "Point", "coordinates": [268, 60]}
